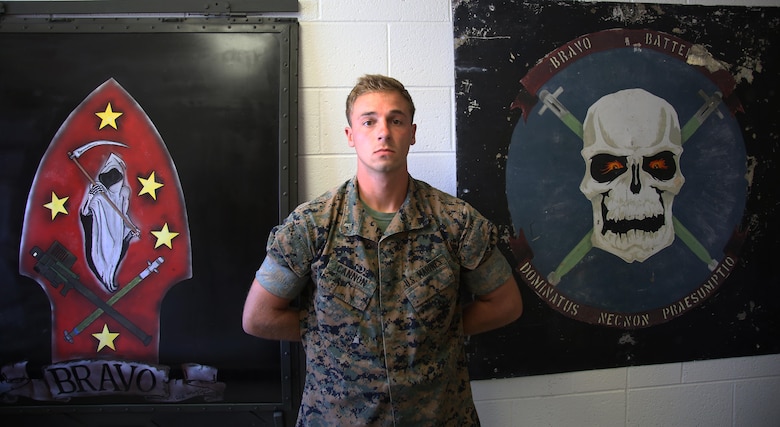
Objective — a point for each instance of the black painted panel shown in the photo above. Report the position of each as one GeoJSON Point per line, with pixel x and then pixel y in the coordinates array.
{"type": "Point", "coordinates": [221, 95]}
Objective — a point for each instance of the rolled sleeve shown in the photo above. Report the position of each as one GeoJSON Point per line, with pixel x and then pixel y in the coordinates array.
{"type": "Point", "coordinates": [489, 275]}
{"type": "Point", "coordinates": [279, 280]}
{"type": "Point", "coordinates": [478, 241]}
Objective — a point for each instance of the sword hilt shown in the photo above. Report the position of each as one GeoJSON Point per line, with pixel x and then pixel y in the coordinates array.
{"type": "Point", "coordinates": [69, 336]}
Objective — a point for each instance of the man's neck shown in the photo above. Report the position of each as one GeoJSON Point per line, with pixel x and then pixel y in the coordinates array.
{"type": "Point", "coordinates": [383, 193]}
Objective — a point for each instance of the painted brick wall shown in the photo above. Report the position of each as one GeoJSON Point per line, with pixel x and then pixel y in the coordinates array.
{"type": "Point", "coordinates": [412, 41]}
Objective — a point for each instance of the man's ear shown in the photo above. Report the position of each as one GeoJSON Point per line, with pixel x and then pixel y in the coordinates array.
{"type": "Point", "coordinates": [348, 133]}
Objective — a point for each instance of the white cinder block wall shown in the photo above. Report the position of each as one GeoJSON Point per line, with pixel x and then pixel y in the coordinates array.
{"type": "Point", "coordinates": [412, 40]}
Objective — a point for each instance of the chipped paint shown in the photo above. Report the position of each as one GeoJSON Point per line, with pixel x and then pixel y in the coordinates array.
{"type": "Point", "coordinates": [699, 55]}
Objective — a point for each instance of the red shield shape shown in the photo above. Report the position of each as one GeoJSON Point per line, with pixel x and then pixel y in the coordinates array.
{"type": "Point", "coordinates": [105, 231]}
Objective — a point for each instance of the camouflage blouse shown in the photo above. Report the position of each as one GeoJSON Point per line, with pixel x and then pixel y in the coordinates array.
{"type": "Point", "coordinates": [381, 317]}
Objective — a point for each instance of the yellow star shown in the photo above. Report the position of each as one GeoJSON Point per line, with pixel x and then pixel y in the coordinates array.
{"type": "Point", "coordinates": [150, 186]}
{"type": "Point", "coordinates": [56, 205]}
{"type": "Point", "coordinates": [108, 117]}
{"type": "Point", "coordinates": [164, 237]}
{"type": "Point", "coordinates": [106, 338]}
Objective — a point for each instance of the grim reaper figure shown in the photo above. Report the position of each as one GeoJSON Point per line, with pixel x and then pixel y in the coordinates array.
{"type": "Point", "coordinates": [106, 235]}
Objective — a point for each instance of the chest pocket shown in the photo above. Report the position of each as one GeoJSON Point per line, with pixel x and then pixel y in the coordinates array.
{"type": "Point", "coordinates": [347, 285]}
{"type": "Point", "coordinates": [433, 294]}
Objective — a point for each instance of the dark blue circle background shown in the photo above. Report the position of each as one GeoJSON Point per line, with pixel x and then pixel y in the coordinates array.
{"type": "Point", "coordinates": [544, 170]}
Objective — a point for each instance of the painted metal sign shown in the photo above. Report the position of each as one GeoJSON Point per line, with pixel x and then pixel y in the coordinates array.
{"type": "Point", "coordinates": [628, 152]}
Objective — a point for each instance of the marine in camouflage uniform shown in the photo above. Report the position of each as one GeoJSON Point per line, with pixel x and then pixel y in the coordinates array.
{"type": "Point", "coordinates": [381, 317]}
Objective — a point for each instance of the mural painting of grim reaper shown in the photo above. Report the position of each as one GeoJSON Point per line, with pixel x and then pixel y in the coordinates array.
{"type": "Point", "coordinates": [103, 216]}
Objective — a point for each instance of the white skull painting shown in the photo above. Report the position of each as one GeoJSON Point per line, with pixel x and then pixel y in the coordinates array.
{"type": "Point", "coordinates": [631, 148]}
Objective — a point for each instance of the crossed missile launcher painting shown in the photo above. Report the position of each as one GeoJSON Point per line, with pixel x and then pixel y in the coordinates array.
{"type": "Point", "coordinates": [637, 155]}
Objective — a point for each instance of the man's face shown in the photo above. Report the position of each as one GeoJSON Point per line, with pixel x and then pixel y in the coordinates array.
{"type": "Point", "coordinates": [381, 131]}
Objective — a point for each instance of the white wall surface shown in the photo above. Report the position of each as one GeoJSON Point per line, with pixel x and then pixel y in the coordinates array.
{"type": "Point", "coordinates": [412, 40]}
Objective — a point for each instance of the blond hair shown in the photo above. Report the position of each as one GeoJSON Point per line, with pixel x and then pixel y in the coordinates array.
{"type": "Point", "coordinates": [377, 83]}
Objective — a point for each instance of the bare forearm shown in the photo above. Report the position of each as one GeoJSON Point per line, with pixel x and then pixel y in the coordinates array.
{"type": "Point", "coordinates": [477, 319]}
{"type": "Point", "coordinates": [494, 310]}
{"type": "Point", "coordinates": [283, 325]}
{"type": "Point", "coordinates": [270, 317]}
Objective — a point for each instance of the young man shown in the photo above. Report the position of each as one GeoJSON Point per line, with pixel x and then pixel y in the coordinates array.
{"type": "Point", "coordinates": [379, 264]}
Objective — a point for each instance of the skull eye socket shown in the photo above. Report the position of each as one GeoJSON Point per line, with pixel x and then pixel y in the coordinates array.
{"type": "Point", "coordinates": [661, 166]}
{"type": "Point", "coordinates": [606, 167]}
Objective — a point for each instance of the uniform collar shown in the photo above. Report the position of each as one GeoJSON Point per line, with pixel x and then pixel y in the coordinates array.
{"type": "Point", "coordinates": [356, 221]}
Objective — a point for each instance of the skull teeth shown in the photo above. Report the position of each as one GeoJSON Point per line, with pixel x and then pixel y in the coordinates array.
{"type": "Point", "coordinates": [624, 219]}
{"type": "Point", "coordinates": [623, 226]}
